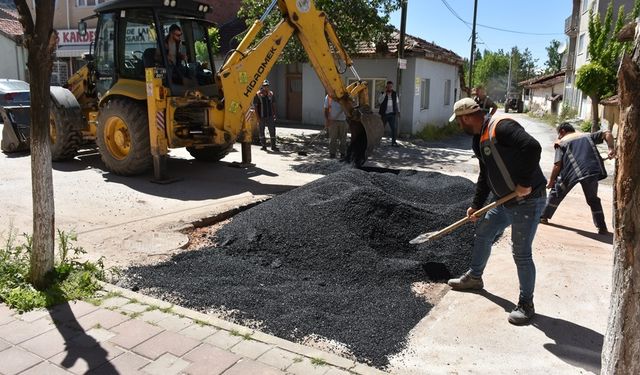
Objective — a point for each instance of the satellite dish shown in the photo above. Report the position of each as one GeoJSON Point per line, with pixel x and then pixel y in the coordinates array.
{"type": "Point", "coordinates": [562, 48]}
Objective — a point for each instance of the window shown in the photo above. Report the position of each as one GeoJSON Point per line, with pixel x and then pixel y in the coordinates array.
{"type": "Point", "coordinates": [581, 43]}
{"type": "Point", "coordinates": [584, 5]}
{"type": "Point", "coordinates": [424, 93]}
{"type": "Point", "coordinates": [105, 50]}
{"type": "Point", "coordinates": [89, 3]}
{"type": "Point", "coordinates": [447, 92]}
{"type": "Point", "coordinates": [375, 87]}
{"type": "Point", "coordinates": [137, 43]}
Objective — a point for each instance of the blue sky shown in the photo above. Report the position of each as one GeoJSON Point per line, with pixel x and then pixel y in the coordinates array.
{"type": "Point", "coordinates": [432, 21]}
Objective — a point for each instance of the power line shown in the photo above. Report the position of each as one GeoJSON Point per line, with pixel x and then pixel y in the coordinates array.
{"type": "Point", "coordinates": [455, 14]}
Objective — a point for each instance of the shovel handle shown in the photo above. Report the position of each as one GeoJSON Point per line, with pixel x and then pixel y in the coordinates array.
{"type": "Point", "coordinates": [481, 211]}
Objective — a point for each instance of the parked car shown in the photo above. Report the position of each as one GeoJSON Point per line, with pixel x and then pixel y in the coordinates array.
{"type": "Point", "coordinates": [513, 103]}
{"type": "Point", "coordinates": [14, 92]}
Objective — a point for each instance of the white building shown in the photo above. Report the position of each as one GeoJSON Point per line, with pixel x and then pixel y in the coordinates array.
{"type": "Point", "coordinates": [544, 94]}
{"type": "Point", "coordinates": [429, 87]}
{"type": "Point", "coordinates": [14, 56]}
{"type": "Point", "coordinates": [576, 55]}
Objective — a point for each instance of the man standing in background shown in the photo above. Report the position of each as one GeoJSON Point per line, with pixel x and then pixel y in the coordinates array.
{"type": "Point", "coordinates": [389, 109]}
{"type": "Point", "coordinates": [265, 106]}
{"type": "Point", "coordinates": [336, 124]}
{"type": "Point", "coordinates": [486, 105]}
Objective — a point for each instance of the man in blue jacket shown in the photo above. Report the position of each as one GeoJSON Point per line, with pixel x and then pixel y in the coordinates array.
{"type": "Point", "coordinates": [509, 161]}
{"type": "Point", "coordinates": [577, 160]}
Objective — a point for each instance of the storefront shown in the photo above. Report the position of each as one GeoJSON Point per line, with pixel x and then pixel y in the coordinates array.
{"type": "Point", "coordinates": [68, 57]}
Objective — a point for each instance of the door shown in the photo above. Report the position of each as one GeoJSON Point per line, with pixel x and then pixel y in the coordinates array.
{"type": "Point", "coordinates": [294, 97]}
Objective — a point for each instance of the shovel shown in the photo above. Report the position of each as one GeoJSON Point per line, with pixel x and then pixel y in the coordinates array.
{"type": "Point", "coordinates": [303, 152]}
{"type": "Point", "coordinates": [429, 236]}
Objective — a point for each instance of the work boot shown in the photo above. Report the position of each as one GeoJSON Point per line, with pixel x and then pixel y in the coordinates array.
{"type": "Point", "coordinates": [522, 314]}
{"type": "Point", "coordinates": [466, 281]}
{"type": "Point", "coordinates": [264, 145]}
{"type": "Point", "coordinates": [273, 145]}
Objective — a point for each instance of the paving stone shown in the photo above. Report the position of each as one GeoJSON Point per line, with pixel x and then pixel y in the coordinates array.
{"type": "Point", "coordinates": [198, 332]}
{"type": "Point", "coordinates": [166, 342]}
{"type": "Point", "coordinates": [114, 302]}
{"type": "Point", "coordinates": [209, 360]}
{"type": "Point", "coordinates": [167, 364]}
{"type": "Point", "coordinates": [19, 331]}
{"type": "Point", "coordinates": [33, 315]}
{"type": "Point", "coordinates": [51, 342]}
{"type": "Point", "coordinates": [175, 323]}
{"type": "Point", "coordinates": [133, 332]}
{"type": "Point", "coordinates": [46, 368]}
{"type": "Point", "coordinates": [92, 337]}
{"type": "Point", "coordinates": [154, 316]}
{"type": "Point", "coordinates": [71, 311]}
{"type": "Point", "coordinates": [14, 360]}
{"type": "Point", "coordinates": [4, 345]}
{"type": "Point", "coordinates": [366, 370]}
{"type": "Point", "coordinates": [6, 316]}
{"type": "Point", "coordinates": [279, 358]}
{"type": "Point", "coordinates": [305, 367]}
{"type": "Point", "coordinates": [251, 348]}
{"type": "Point", "coordinates": [247, 366]}
{"type": "Point", "coordinates": [80, 360]}
{"type": "Point", "coordinates": [102, 318]}
{"type": "Point", "coordinates": [223, 339]}
{"type": "Point", "coordinates": [126, 364]}
{"type": "Point", "coordinates": [134, 307]}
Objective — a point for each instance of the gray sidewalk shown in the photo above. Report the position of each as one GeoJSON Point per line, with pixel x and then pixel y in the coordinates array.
{"type": "Point", "coordinates": [122, 332]}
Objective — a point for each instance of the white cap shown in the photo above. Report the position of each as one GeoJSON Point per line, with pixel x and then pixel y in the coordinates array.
{"type": "Point", "coordinates": [464, 106]}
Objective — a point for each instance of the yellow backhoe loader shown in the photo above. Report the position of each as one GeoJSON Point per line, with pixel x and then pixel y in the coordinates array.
{"type": "Point", "coordinates": [137, 98]}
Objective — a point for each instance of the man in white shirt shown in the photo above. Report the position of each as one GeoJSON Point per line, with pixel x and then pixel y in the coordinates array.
{"type": "Point", "coordinates": [335, 122]}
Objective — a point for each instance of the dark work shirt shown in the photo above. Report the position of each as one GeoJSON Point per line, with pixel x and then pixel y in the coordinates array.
{"type": "Point", "coordinates": [521, 154]}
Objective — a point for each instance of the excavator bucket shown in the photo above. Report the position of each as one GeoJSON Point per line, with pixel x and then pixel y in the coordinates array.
{"type": "Point", "coordinates": [15, 132]}
{"type": "Point", "coordinates": [366, 132]}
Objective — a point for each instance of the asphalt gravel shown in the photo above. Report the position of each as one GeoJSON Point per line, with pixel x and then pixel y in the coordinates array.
{"type": "Point", "coordinates": [330, 259]}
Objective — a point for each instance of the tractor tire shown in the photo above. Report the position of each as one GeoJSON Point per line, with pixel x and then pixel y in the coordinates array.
{"type": "Point", "coordinates": [123, 137]}
{"type": "Point", "coordinates": [210, 153]}
{"type": "Point", "coordinates": [65, 140]}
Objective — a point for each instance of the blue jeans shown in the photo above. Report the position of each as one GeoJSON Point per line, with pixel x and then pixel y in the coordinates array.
{"type": "Point", "coordinates": [523, 218]}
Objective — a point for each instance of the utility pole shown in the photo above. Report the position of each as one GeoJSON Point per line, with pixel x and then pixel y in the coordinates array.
{"type": "Point", "coordinates": [509, 79]}
{"type": "Point", "coordinates": [473, 44]}
{"type": "Point", "coordinates": [403, 27]}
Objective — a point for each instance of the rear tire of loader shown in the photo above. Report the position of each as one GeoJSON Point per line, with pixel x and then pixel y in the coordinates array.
{"type": "Point", "coordinates": [65, 140]}
{"type": "Point", "coordinates": [210, 153]}
{"type": "Point", "coordinates": [123, 137]}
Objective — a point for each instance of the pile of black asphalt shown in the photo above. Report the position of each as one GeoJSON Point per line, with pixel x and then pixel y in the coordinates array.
{"type": "Point", "coordinates": [331, 258]}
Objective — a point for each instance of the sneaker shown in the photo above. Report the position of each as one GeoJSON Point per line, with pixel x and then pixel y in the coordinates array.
{"type": "Point", "coordinates": [544, 220]}
{"type": "Point", "coordinates": [263, 148]}
{"type": "Point", "coordinates": [522, 314]}
{"type": "Point", "coordinates": [466, 281]}
{"type": "Point", "coordinates": [274, 148]}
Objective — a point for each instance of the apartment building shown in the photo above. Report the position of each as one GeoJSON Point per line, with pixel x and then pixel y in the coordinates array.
{"type": "Point", "coordinates": [576, 55]}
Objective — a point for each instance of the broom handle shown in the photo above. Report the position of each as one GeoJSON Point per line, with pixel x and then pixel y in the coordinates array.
{"type": "Point", "coordinates": [481, 211]}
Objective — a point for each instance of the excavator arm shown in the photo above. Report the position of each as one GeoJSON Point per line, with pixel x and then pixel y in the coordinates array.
{"type": "Point", "coordinates": [247, 66]}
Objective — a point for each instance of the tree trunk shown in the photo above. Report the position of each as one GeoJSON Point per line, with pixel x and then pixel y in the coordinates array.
{"type": "Point", "coordinates": [595, 117]}
{"type": "Point", "coordinates": [40, 40]}
{"type": "Point", "coordinates": [621, 349]}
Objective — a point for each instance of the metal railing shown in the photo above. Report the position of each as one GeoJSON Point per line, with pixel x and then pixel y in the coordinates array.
{"type": "Point", "coordinates": [571, 25]}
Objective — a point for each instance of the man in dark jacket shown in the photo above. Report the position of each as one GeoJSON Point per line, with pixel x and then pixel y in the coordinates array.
{"type": "Point", "coordinates": [509, 162]}
{"type": "Point", "coordinates": [389, 109]}
{"type": "Point", "coordinates": [577, 160]}
{"type": "Point", "coordinates": [265, 105]}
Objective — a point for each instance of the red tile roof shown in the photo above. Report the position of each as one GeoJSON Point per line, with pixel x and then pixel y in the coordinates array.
{"type": "Point", "coordinates": [414, 47]}
{"type": "Point", "coordinates": [9, 24]}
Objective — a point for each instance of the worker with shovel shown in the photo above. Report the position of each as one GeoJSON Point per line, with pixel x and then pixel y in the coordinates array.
{"type": "Point", "coordinates": [509, 161]}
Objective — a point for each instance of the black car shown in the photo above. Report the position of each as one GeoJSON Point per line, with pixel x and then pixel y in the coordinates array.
{"type": "Point", "coordinates": [14, 92]}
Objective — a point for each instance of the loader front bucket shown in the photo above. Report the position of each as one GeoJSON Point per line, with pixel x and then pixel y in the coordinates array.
{"type": "Point", "coordinates": [16, 129]}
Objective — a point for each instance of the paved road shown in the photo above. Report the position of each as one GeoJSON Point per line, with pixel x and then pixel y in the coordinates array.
{"type": "Point", "coordinates": [133, 220]}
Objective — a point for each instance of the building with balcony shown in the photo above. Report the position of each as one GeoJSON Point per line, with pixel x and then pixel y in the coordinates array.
{"type": "Point", "coordinates": [576, 54]}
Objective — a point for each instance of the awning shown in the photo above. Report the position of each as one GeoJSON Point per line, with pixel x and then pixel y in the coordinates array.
{"type": "Point", "coordinates": [72, 51]}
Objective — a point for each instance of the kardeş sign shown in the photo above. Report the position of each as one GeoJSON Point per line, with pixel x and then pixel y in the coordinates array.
{"type": "Point", "coordinates": [70, 37]}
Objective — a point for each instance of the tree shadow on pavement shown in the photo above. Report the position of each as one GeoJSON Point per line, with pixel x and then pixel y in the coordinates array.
{"type": "Point", "coordinates": [605, 238]}
{"type": "Point", "coordinates": [78, 344]}
{"type": "Point", "coordinates": [577, 345]}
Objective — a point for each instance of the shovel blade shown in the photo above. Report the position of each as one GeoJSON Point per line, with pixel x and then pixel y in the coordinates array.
{"type": "Point", "coordinates": [424, 237]}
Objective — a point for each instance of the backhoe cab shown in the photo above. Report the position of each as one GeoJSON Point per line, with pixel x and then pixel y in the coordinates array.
{"type": "Point", "coordinates": [149, 85]}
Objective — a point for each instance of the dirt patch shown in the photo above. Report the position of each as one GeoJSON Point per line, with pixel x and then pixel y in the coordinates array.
{"type": "Point", "coordinates": [328, 262]}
